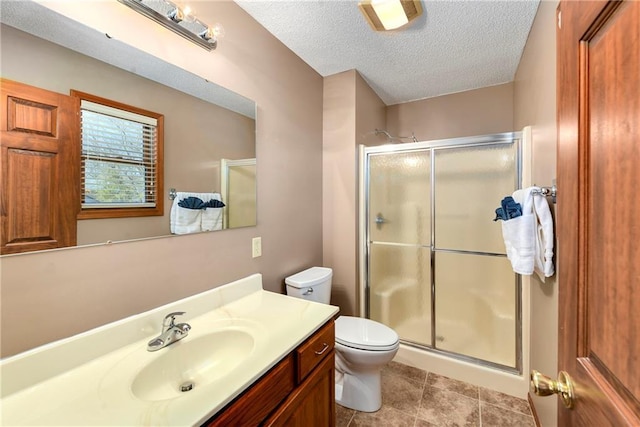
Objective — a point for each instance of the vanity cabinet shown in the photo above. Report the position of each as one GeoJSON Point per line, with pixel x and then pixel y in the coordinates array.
{"type": "Point", "coordinates": [298, 391]}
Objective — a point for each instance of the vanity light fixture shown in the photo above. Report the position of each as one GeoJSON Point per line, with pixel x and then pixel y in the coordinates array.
{"type": "Point", "coordinates": [385, 15]}
{"type": "Point", "coordinates": [179, 20]}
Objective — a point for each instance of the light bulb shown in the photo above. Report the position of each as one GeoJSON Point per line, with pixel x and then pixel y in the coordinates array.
{"type": "Point", "coordinates": [189, 14]}
{"type": "Point", "coordinates": [208, 35]}
{"type": "Point", "coordinates": [218, 30]}
{"type": "Point", "coordinates": [176, 15]}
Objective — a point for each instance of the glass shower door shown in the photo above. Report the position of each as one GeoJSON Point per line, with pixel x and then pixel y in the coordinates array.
{"type": "Point", "coordinates": [476, 291]}
{"type": "Point", "coordinates": [399, 223]}
{"type": "Point", "coordinates": [435, 264]}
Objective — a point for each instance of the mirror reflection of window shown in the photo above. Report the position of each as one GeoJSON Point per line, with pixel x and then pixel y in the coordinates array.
{"type": "Point", "coordinates": [120, 160]}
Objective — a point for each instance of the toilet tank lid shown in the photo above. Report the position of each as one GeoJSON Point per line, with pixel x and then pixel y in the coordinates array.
{"type": "Point", "coordinates": [309, 277]}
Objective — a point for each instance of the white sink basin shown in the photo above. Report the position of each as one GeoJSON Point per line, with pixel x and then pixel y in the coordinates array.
{"type": "Point", "coordinates": [191, 363]}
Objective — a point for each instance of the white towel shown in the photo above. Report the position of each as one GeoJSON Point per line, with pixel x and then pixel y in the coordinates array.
{"type": "Point", "coordinates": [212, 217]}
{"type": "Point", "coordinates": [185, 221]}
{"type": "Point", "coordinates": [544, 238]}
{"type": "Point", "coordinates": [529, 238]}
{"type": "Point", "coordinates": [519, 235]}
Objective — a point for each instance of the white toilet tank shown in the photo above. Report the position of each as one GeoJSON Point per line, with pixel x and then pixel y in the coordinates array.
{"type": "Point", "coordinates": [313, 284]}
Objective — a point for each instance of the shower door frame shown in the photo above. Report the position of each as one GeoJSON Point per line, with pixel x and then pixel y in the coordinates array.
{"type": "Point", "coordinates": [364, 241]}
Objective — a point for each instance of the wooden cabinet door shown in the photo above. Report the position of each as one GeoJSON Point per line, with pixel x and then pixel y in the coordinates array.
{"type": "Point", "coordinates": [252, 407]}
{"type": "Point", "coordinates": [312, 404]}
{"type": "Point", "coordinates": [40, 169]}
{"type": "Point", "coordinates": [598, 210]}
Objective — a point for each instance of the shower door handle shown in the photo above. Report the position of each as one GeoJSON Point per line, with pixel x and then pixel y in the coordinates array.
{"type": "Point", "coordinates": [380, 220]}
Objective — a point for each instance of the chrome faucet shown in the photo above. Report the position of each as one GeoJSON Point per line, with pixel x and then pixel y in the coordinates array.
{"type": "Point", "coordinates": [171, 332]}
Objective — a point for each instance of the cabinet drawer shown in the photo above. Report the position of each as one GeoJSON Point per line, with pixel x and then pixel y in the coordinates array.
{"type": "Point", "coordinates": [314, 350]}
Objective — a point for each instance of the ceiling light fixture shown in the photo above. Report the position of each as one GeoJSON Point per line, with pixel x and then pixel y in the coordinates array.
{"type": "Point", "coordinates": [179, 20]}
{"type": "Point", "coordinates": [385, 15]}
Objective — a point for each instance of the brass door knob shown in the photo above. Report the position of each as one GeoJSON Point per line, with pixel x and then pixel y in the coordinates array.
{"type": "Point", "coordinates": [542, 385]}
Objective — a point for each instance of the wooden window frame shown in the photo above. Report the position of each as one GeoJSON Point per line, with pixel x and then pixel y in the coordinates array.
{"type": "Point", "coordinates": [125, 212]}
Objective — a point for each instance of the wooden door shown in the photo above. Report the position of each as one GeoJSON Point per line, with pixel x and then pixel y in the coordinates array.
{"type": "Point", "coordinates": [40, 169]}
{"type": "Point", "coordinates": [599, 210]}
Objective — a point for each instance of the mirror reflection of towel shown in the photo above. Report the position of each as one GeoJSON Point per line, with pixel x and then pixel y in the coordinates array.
{"type": "Point", "coordinates": [185, 220]}
{"type": "Point", "coordinates": [211, 219]}
{"type": "Point", "coordinates": [214, 203]}
{"type": "Point", "coordinates": [191, 203]}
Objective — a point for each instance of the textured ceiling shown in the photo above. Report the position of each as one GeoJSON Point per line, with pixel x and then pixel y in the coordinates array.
{"type": "Point", "coordinates": [454, 46]}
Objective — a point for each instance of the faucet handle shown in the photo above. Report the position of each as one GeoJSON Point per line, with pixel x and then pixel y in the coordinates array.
{"type": "Point", "coordinates": [170, 318]}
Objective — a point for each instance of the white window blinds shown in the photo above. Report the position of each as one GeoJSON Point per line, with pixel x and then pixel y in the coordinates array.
{"type": "Point", "coordinates": [119, 157]}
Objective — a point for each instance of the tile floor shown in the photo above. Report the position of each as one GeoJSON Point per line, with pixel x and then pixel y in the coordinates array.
{"type": "Point", "coordinates": [412, 397]}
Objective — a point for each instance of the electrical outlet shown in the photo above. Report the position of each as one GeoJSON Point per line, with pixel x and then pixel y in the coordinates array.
{"type": "Point", "coordinates": [256, 247]}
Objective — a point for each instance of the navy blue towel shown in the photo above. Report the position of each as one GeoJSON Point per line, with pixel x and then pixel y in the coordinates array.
{"type": "Point", "coordinates": [213, 203]}
{"type": "Point", "coordinates": [192, 203]}
{"type": "Point", "coordinates": [508, 209]}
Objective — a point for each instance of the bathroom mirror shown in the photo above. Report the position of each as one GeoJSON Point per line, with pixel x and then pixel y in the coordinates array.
{"type": "Point", "coordinates": [209, 131]}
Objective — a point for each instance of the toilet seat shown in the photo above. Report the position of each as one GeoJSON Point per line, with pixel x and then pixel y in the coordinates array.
{"type": "Point", "coordinates": [365, 334]}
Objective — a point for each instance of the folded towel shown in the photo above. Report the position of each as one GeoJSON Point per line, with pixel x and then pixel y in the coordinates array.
{"type": "Point", "coordinates": [212, 214]}
{"type": "Point", "coordinates": [214, 203]}
{"type": "Point", "coordinates": [190, 214]}
{"type": "Point", "coordinates": [191, 203]}
{"type": "Point", "coordinates": [519, 235]}
{"type": "Point", "coordinates": [508, 209]}
{"type": "Point", "coordinates": [183, 220]}
{"type": "Point", "coordinates": [211, 219]}
{"type": "Point", "coordinates": [544, 238]}
{"type": "Point", "coordinates": [529, 238]}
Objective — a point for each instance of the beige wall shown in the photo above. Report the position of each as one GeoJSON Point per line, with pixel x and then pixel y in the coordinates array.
{"type": "Point", "coordinates": [371, 114]}
{"type": "Point", "coordinates": [475, 112]}
{"type": "Point", "coordinates": [535, 105]}
{"type": "Point", "coordinates": [351, 113]}
{"type": "Point", "coordinates": [339, 188]}
{"type": "Point", "coordinates": [196, 133]}
{"type": "Point", "coordinates": [49, 295]}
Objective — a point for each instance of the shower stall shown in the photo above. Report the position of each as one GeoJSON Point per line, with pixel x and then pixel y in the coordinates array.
{"type": "Point", "coordinates": [432, 261]}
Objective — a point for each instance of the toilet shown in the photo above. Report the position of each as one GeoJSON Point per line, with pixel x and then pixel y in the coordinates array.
{"type": "Point", "coordinates": [363, 346]}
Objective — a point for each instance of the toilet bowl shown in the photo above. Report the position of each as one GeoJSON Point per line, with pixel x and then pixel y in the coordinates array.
{"type": "Point", "coordinates": [363, 346]}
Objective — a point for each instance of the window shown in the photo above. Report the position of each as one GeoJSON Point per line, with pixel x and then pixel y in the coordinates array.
{"type": "Point", "coordinates": [121, 159]}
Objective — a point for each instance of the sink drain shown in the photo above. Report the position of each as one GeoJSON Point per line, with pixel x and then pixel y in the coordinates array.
{"type": "Point", "coordinates": [186, 386]}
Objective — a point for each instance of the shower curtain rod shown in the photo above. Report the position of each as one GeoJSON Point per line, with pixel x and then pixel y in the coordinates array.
{"type": "Point", "coordinates": [398, 138]}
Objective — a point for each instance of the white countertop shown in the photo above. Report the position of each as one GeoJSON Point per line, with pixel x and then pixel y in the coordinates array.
{"type": "Point", "coordinates": [86, 379]}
